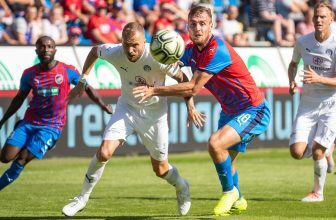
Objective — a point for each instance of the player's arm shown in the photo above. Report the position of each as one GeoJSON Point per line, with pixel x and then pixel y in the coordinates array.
{"type": "Point", "coordinates": [90, 60]}
{"type": "Point", "coordinates": [185, 89]}
{"type": "Point", "coordinates": [310, 77]}
{"type": "Point", "coordinates": [194, 116]}
{"type": "Point", "coordinates": [292, 69]}
{"type": "Point", "coordinates": [14, 105]}
{"type": "Point", "coordinates": [96, 98]}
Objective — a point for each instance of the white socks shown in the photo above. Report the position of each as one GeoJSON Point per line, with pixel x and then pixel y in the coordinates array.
{"type": "Point", "coordinates": [173, 178]}
{"type": "Point", "coordinates": [93, 174]}
{"type": "Point", "coordinates": [320, 173]}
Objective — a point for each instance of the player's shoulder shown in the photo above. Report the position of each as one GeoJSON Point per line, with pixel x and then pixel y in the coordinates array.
{"type": "Point", "coordinates": [67, 66]}
{"type": "Point", "coordinates": [110, 49]}
{"type": "Point", "coordinates": [307, 38]}
{"type": "Point", "coordinates": [30, 70]}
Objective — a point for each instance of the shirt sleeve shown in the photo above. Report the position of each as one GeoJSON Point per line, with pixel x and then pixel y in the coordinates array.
{"type": "Point", "coordinates": [170, 70]}
{"type": "Point", "coordinates": [215, 60]}
{"type": "Point", "coordinates": [73, 76]}
{"type": "Point", "coordinates": [106, 51]}
{"type": "Point", "coordinates": [297, 52]}
{"type": "Point", "coordinates": [24, 82]}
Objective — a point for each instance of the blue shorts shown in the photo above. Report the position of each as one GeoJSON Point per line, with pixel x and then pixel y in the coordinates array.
{"type": "Point", "coordinates": [37, 139]}
{"type": "Point", "coordinates": [248, 124]}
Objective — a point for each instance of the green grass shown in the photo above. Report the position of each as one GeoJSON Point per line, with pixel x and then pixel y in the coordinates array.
{"type": "Point", "coordinates": [270, 180]}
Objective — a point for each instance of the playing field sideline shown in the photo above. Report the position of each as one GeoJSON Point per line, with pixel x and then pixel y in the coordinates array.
{"type": "Point", "coordinates": [270, 180]}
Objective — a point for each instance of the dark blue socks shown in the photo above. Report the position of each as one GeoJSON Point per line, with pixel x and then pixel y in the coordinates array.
{"type": "Point", "coordinates": [225, 174]}
{"type": "Point", "coordinates": [11, 174]}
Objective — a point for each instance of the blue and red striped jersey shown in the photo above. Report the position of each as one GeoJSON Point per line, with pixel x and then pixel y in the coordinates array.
{"type": "Point", "coordinates": [231, 83]}
{"type": "Point", "coordinates": [50, 90]}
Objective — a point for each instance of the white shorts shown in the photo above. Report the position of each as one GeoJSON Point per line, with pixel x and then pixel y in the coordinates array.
{"type": "Point", "coordinates": [153, 132]}
{"type": "Point", "coordinates": [315, 121]}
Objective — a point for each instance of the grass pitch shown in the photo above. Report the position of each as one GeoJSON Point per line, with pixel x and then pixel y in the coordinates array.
{"type": "Point", "coordinates": [270, 180]}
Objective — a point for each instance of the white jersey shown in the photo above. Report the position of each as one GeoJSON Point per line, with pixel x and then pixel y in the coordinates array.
{"type": "Point", "coordinates": [321, 58]}
{"type": "Point", "coordinates": [145, 71]}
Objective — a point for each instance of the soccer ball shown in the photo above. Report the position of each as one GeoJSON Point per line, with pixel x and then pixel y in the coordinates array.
{"type": "Point", "coordinates": [167, 46]}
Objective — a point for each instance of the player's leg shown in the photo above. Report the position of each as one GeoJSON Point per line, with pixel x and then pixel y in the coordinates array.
{"type": "Point", "coordinates": [116, 131]}
{"type": "Point", "coordinates": [12, 149]}
{"type": "Point", "coordinates": [154, 136]}
{"type": "Point", "coordinates": [320, 174]}
{"type": "Point", "coordinates": [323, 141]}
{"type": "Point", "coordinates": [92, 176]}
{"type": "Point", "coordinates": [218, 145]}
{"type": "Point", "coordinates": [303, 130]}
{"type": "Point", "coordinates": [241, 204]}
{"type": "Point", "coordinates": [170, 173]}
{"type": "Point", "coordinates": [17, 166]}
{"type": "Point", "coordinates": [236, 133]}
{"type": "Point", "coordinates": [330, 159]}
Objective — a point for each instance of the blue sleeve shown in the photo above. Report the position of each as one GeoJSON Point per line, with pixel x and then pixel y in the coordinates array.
{"type": "Point", "coordinates": [24, 82]}
{"type": "Point", "coordinates": [219, 61]}
{"type": "Point", "coordinates": [73, 76]}
{"type": "Point", "coordinates": [186, 57]}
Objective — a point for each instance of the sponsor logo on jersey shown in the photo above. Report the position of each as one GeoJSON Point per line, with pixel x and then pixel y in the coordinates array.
{"type": "Point", "coordinates": [52, 91]}
{"type": "Point", "coordinates": [58, 78]}
{"type": "Point", "coordinates": [147, 68]}
{"type": "Point", "coordinates": [317, 60]}
{"type": "Point", "coordinates": [124, 68]}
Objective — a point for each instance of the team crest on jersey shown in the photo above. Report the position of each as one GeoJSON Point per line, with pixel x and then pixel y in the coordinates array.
{"type": "Point", "coordinates": [147, 68]}
{"type": "Point", "coordinates": [58, 78]}
{"type": "Point", "coordinates": [36, 81]}
{"type": "Point", "coordinates": [317, 60]}
{"type": "Point", "coordinates": [140, 80]}
{"type": "Point", "coordinates": [329, 52]}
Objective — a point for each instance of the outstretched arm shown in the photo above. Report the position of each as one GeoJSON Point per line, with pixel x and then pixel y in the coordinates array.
{"type": "Point", "coordinates": [14, 105]}
{"type": "Point", "coordinates": [96, 98]}
{"type": "Point", "coordinates": [90, 60]}
{"type": "Point", "coordinates": [185, 89]}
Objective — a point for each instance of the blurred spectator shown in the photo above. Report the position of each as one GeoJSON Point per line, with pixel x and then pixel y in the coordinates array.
{"type": "Point", "coordinates": [293, 9]}
{"type": "Point", "coordinates": [55, 26]}
{"type": "Point", "coordinates": [73, 12]}
{"type": "Point", "coordinates": [181, 28]}
{"type": "Point", "coordinates": [18, 7]}
{"type": "Point", "coordinates": [5, 13]}
{"type": "Point", "coordinates": [232, 27]}
{"type": "Point", "coordinates": [265, 18]}
{"type": "Point", "coordinates": [76, 37]}
{"type": "Point", "coordinates": [27, 29]}
{"type": "Point", "coordinates": [100, 26]}
{"type": "Point", "coordinates": [165, 20]}
{"type": "Point", "coordinates": [218, 29]}
{"type": "Point", "coordinates": [306, 26]}
{"type": "Point", "coordinates": [145, 7]}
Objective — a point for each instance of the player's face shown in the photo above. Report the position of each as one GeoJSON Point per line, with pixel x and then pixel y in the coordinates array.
{"type": "Point", "coordinates": [199, 26]}
{"type": "Point", "coordinates": [322, 19]}
{"type": "Point", "coordinates": [134, 46]}
{"type": "Point", "coordinates": [46, 51]}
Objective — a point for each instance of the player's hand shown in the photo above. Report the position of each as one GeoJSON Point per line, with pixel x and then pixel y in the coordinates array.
{"type": "Point", "coordinates": [292, 87]}
{"type": "Point", "coordinates": [108, 108]}
{"type": "Point", "coordinates": [310, 76]}
{"type": "Point", "coordinates": [196, 117]}
{"type": "Point", "coordinates": [143, 93]}
{"type": "Point", "coordinates": [77, 91]}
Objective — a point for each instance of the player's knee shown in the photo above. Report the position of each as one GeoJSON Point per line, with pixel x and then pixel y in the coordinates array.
{"type": "Point", "coordinates": [5, 158]}
{"type": "Point", "coordinates": [104, 154]}
{"type": "Point", "coordinates": [298, 155]}
{"type": "Point", "coordinates": [159, 172]}
{"type": "Point", "coordinates": [213, 146]}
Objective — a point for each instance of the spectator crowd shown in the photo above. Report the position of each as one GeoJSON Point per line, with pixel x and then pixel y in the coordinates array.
{"type": "Point", "coordinates": [89, 22]}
